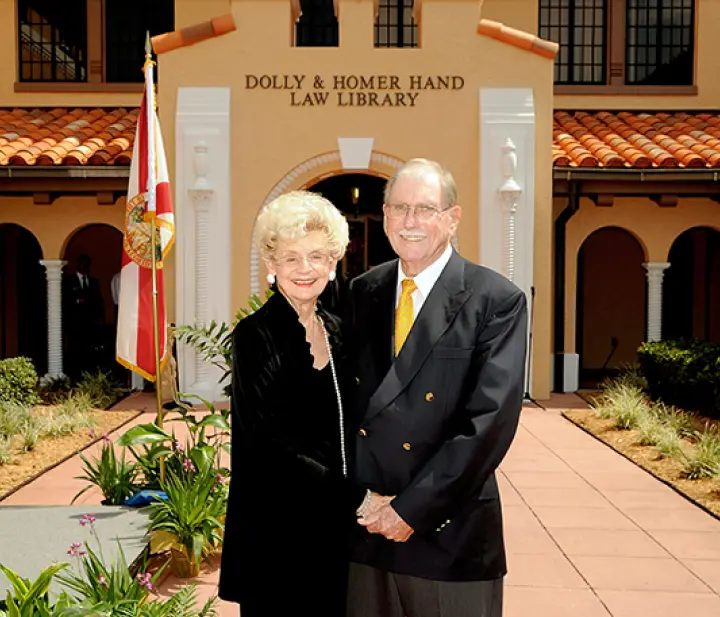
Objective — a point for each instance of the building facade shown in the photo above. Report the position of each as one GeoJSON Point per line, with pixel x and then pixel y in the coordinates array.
{"type": "Point", "coordinates": [588, 176]}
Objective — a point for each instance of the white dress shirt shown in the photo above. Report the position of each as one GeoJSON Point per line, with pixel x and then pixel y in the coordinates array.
{"type": "Point", "coordinates": [425, 281]}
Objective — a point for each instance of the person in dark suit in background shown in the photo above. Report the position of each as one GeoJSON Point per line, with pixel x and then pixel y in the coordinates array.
{"type": "Point", "coordinates": [82, 316]}
{"type": "Point", "coordinates": [440, 347]}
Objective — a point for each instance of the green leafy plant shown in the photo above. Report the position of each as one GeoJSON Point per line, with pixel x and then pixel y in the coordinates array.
{"type": "Point", "coordinates": [191, 513]}
{"type": "Point", "coordinates": [208, 437]}
{"type": "Point", "coordinates": [182, 604]}
{"type": "Point", "coordinates": [214, 341]}
{"type": "Point", "coordinates": [105, 587]}
{"type": "Point", "coordinates": [114, 476]}
{"type": "Point", "coordinates": [18, 381]}
{"type": "Point", "coordinates": [32, 598]}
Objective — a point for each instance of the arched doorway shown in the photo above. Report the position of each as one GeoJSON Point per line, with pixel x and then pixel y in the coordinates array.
{"type": "Point", "coordinates": [610, 303]}
{"type": "Point", "coordinates": [89, 315]}
{"type": "Point", "coordinates": [691, 296]}
{"type": "Point", "coordinates": [23, 297]}
{"type": "Point", "coordinates": [360, 198]}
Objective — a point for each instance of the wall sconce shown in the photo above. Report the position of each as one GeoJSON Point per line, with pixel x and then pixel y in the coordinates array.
{"type": "Point", "coordinates": [355, 192]}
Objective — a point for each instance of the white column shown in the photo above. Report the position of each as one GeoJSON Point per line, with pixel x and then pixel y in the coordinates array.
{"type": "Point", "coordinates": [655, 274]}
{"type": "Point", "coordinates": [203, 222]}
{"type": "Point", "coordinates": [53, 273]}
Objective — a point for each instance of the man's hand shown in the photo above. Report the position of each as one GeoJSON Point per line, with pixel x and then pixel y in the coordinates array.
{"type": "Point", "coordinates": [384, 520]}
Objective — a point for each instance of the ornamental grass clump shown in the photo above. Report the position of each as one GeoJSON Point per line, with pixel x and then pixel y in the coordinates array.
{"type": "Point", "coordinates": [12, 418]}
{"type": "Point", "coordinates": [703, 459]}
{"type": "Point", "coordinates": [5, 450]}
{"type": "Point", "coordinates": [625, 405]}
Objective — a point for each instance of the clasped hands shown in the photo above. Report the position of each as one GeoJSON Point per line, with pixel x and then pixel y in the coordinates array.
{"type": "Point", "coordinates": [380, 517]}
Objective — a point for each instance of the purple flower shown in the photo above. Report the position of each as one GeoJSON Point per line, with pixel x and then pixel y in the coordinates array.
{"type": "Point", "coordinates": [103, 581]}
{"type": "Point", "coordinates": [87, 519]}
{"type": "Point", "coordinates": [106, 439]}
{"type": "Point", "coordinates": [188, 465]}
{"type": "Point", "coordinates": [92, 433]}
{"type": "Point", "coordinates": [74, 551]}
{"type": "Point", "coordinates": [144, 581]}
{"type": "Point", "coordinates": [178, 447]}
{"type": "Point", "coordinates": [220, 478]}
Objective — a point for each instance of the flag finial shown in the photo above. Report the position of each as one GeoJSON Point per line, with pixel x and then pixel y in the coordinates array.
{"type": "Point", "coordinates": [148, 46]}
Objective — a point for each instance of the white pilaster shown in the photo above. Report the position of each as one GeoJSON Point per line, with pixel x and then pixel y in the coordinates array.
{"type": "Point", "coordinates": [507, 185]}
{"type": "Point", "coordinates": [53, 274]}
{"type": "Point", "coordinates": [507, 182]}
{"type": "Point", "coordinates": [655, 274]}
{"type": "Point", "coordinates": [203, 211]}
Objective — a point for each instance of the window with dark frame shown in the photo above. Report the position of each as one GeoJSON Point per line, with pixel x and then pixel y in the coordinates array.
{"type": "Point", "coordinates": [395, 25]}
{"type": "Point", "coordinates": [52, 40]}
{"type": "Point", "coordinates": [318, 25]}
{"type": "Point", "coordinates": [660, 42]}
{"type": "Point", "coordinates": [580, 28]}
{"type": "Point", "coordinates": [126, 25]}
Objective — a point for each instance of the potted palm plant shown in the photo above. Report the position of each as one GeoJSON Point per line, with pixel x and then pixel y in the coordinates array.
{"type": "Point", "coordinates": [191, 515]}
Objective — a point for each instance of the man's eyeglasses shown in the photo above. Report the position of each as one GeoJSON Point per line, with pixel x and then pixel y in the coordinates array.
{"type": "Point", "coordinates": [293, 261]}
{"type": "Point", "coordinates": [423, 212]}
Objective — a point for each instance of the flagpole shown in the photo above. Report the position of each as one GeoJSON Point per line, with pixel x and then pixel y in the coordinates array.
{"type": "Point", "coordinates": [153, 235]}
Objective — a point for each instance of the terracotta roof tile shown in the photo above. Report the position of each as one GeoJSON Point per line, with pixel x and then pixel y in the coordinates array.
{"type": "Point", "coordinates": [79, 136]}
{"type": "Point", "coordinates": [518, 38]}
{"type": "Point", "coordinates": [637, 140]}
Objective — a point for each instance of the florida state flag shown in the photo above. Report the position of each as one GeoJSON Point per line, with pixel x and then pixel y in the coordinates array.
{"type": "Point", "coordinates": [148, 197]}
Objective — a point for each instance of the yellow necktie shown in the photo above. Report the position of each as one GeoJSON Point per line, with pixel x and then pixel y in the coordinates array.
{"type": "Point", "coordinates": [404, 314]}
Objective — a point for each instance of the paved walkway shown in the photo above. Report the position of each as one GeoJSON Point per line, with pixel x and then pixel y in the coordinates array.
{"type": "Point", "coordinates": [588, 533]}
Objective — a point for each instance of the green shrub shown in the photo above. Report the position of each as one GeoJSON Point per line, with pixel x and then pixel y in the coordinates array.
{"type": "Point", "coordinates": [18, 381]}
{"type": "Point", "coordinates": [683, 373]}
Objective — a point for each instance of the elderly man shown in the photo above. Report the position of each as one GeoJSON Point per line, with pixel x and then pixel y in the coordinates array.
{"type": "Point", "coordinates": [440, 345]}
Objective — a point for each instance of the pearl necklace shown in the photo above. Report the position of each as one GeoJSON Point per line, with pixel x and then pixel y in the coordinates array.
{"type": "Point", "coordinates": [339, 399]}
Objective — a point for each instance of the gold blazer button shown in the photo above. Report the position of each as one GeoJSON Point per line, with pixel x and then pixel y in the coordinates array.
{"type": "Point", "coordinates": [407, 446]}
{"type": "Point", "coordinates": [429, 396]}
{"type": "Point", "coordinates": [362, 432]}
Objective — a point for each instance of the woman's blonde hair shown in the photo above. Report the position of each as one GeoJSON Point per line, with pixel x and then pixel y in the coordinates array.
{"type": "Point", "coordinates": [295, 214]}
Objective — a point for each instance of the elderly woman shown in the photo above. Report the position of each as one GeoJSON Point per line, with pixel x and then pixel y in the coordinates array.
{"type": "Point", "coordinates": [291, 507]}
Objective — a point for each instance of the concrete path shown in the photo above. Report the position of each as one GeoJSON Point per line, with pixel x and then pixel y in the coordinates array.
{"type": "Point", "coordinates": [588, 533]}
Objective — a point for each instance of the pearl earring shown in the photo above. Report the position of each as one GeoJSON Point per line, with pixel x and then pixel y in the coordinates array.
{"type": "Point", "coordinates": [331, 275]}
{"type": "Point", "coordinates": [270, 279]}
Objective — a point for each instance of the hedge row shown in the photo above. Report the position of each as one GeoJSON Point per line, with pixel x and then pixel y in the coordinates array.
{"type": "Point", "coordinates": [683, 373]}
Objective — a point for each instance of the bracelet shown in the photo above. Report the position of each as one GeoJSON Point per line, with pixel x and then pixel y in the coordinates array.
{"type": "Point", "coordinates": [365, 504]}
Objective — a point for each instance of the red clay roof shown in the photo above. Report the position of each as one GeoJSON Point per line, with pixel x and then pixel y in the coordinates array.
{"type": "Point", "coordinates": [99, 137]}
{"type": "Point", "coordinates": [61, 136]}
{"type": "Point", "coordinates": [640, 140]}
